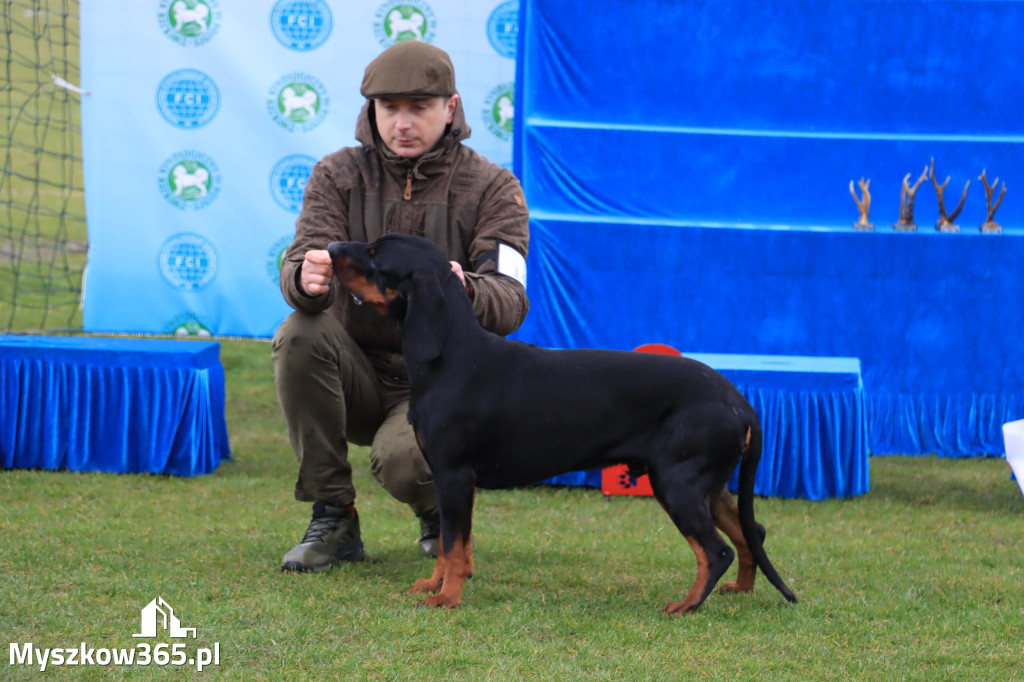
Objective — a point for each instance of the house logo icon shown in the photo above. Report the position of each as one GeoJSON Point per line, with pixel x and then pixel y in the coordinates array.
{"type": "Point", "coordinates": [158, 613]}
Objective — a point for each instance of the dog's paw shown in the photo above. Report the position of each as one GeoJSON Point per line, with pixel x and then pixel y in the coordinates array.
{"type": "Point", "coordinates": [425, 585]}
{"type": "Point", "coordinates": [679, 608]}
{"type": "Point", "coordinates": [442, 601]}
{"type": "Point", "coordinates": [734, 586]}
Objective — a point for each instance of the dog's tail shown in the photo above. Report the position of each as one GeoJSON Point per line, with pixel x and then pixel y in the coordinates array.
{"type": "Point", "coordinates": [748, 472]}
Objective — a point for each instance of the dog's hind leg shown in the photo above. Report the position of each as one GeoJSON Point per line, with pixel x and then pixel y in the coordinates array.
{"type": "Point", "coordinates": [727, 518]}
{"type": "Point", "coordinates": [689, 509]}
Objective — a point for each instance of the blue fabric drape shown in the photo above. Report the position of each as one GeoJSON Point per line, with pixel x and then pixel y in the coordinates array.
{"type": "Point", "coordinates": [951, 424]}
{"type": "Point", "coordinates": [113, 405]}
{"type": "Point", "coordinates": [729, 112]}
{"type": "Point", "coordinates": [695, 192]}
{"type": "Point", "coordinates": [815, 444]}
{"type": "Point", "coordinates": [590, 478]}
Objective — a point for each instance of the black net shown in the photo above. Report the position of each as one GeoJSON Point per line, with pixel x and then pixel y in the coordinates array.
{"type": "Point", "coordinates": [43, 241]}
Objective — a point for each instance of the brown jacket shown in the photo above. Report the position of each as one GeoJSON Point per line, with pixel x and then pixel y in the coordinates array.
{"type": "Point", "coordinates": [458, 199]}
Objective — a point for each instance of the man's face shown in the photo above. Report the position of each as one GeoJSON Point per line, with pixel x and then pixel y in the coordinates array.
{"type": "Point", "coordinates": [411, 127]}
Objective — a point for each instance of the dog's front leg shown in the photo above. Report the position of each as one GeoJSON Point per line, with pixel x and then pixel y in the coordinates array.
{"type": "Point", "coordinates": [457, 564]}
{"type": "Point", "coordinates": [455, 560]}
{"type": "Point", "coordinates": [432, 584]}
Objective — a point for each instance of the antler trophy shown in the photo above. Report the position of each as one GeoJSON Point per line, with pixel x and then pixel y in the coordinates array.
{"type": "Point", "coordinates": [990, 226]}
{"type": "Point", "coordinates": [864, 205]}
{"type": "Point", "coordinates": [906, 221]}
{"type": "Point", "coordinates": [945, 223]}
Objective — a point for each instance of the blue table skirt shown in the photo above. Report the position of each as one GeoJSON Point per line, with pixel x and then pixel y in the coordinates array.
{"type": "Point", "coordinates": [814, 420]}
{"type": "Point", "coordinates": [950, 424]}
{"type": "Point", "coordinates": [112, 405]}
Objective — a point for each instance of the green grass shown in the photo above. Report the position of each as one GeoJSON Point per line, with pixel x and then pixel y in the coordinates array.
{"type": "Point", "coordinates": [919, 579]}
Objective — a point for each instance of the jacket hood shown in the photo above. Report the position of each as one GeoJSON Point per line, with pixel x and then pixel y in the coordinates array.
{"type": "Point", "coordinates": [366, 129]}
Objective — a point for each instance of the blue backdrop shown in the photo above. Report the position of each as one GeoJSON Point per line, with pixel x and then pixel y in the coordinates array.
{"type": "Point", "coordinates": [687, 167]}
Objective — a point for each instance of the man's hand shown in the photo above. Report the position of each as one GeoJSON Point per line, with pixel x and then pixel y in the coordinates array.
{"type": "Point", "coordinates": [315, 278]}
{"type": "Point", "coordinates": [457, 269]}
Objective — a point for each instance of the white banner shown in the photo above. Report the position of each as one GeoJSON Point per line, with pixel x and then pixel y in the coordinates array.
{"type": "Point", "coordinates": [201, 120]}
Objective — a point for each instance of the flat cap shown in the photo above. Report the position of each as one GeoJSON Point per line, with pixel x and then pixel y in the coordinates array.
{"type": "Point", "coordinates": [412, 69]}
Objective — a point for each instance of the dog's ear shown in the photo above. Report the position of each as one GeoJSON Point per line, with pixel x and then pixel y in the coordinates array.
{"type": "Point", "coordinates": [427, 318]}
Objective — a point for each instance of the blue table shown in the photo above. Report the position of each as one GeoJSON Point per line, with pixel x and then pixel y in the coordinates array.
{"type": "Point", "coordinates": [112, 404]}
{"type": "Point", "coordinates": [814, 419]}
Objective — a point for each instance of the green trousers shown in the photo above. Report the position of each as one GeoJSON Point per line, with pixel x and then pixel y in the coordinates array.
{"type": "Point", "coordinates": [331, 396]}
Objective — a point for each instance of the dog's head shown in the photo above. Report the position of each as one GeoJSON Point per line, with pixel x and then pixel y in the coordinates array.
{"type": "Point", "coordinates": [402, 277]}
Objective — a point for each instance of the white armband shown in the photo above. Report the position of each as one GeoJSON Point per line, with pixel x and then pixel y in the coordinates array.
{"type": "Point", "coordinates": [511, 264]}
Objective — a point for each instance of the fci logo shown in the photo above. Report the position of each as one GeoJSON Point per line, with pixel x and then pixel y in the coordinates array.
{"type": "Point", "coordinates": [275, 258]}
{"type": "Point", "coordinates": [400, 20]}
{"type": "Point", "coordinates": [499, 110]}
{"type": "Point", "coordinates": [301, 24]}
{"type": "Point", "coordinates": [288, 180]}
{"type": "Point", "coordinates": [188, 98]}
{"type": "Point", "coordinates": [298, 102]}
{"type": "Point", "coordinates": [189, 180]}
{"type": "Point", "coordinates": [188, 261]}
{"type": "Point", "coordinates": [189, 22]}
{"type": "Point", "coordinates": [503, 28]}
{"type": "Point", "coordinates": [187, 324]}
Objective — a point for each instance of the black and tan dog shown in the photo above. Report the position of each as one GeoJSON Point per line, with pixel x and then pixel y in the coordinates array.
{"type": "Point", "coordinates": [494, 413]}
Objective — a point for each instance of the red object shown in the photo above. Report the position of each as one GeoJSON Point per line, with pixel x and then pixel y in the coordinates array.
{"type": "Point", "coordinates": [615, 480]}
{"type": "Point", "coordinates": [658, 349]}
